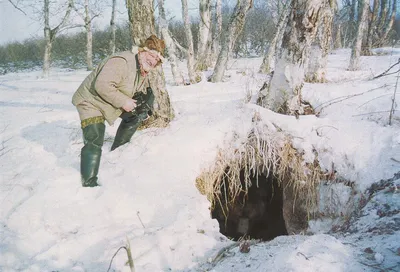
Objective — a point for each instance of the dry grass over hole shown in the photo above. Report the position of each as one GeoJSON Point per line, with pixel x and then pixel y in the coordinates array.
{"type": "Point", "coordinates": [265, 152]}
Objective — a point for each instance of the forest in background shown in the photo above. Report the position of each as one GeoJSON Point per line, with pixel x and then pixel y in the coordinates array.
{"type": "Point", "coordinates": [69, 50]}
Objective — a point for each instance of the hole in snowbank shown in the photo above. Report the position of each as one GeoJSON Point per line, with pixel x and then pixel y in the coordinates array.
{"type": "Point", "coordinates": [258, 214]}
{"type": "Point", "coordinates": [261, 187]}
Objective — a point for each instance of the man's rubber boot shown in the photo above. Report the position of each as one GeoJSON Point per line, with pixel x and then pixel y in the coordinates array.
{"type": "Point", "coordinates": [126, 130]}
{"type": "Point", "coordinates": [93, 136]}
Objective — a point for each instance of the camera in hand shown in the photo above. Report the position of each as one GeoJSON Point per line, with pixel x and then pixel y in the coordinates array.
{"type": "Point", "coordinates": [144, 105]}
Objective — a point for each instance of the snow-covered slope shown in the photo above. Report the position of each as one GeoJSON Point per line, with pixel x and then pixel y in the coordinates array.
{"type": "Point", "coordinates": [48, 222]}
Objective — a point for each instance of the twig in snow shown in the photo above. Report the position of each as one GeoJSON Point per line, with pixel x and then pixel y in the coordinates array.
{"type": "Point", "coordinates": [385, 269]}
{"type": "Point", "coordinates": [376, 266]}
{"type": "Point", "coordinates": [319, 133]}
{"type": "Point", "coordinates": [137, 213]}
{"type": "Point", "coordinates": [363, 104]}
{"type": "Point", "coordinates": [225, 249]}
{"type": "Point", "coordinates": [3, 148]}
{"type": "Point", "coordinates": [115, 254]}
{"type": "Point", "coordinates": [128, 252]}
{"type": "Point", "coordinates": [307, 258]}
{"type": "Point", "coordinates": [370, 113]}
{"type": "Point", "coordinates": [393, 159]}
{"type": "Point", "coordinates": [342, 98]}
{"type": "Point", "coordinates": [393, 100]}
{"type": "Point", "coordinates": [385, 73]}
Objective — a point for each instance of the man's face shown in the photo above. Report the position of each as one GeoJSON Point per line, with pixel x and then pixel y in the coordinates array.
{"type": "Point", "coordinates": [148, 60]}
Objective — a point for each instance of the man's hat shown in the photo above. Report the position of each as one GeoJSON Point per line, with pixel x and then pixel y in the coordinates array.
{"type": "Point", "coordinates": [154, 43]}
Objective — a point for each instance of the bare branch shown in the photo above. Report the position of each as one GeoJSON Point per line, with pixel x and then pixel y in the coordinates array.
{"type": "Point", "coordinates": [64, 20]}
{"type": "Point", "coordinates": [77, 11]}
{"type": "Point", "coordinates": [15, 6]}
{"type": "Point", "coordinates": [393, 101]}
{"type": "Point", "coordinates": [94, 16]}
{"type": "Point", "coordinates": [128, 252]}
{"type": "Point", "coordinates": [374, 112]}
{"type": "Point", "coordinates": [183, 49]}
{"type": "Point", "coordinates": [342, 98]}
{"type": "Point", "coordinates": [385, 73]}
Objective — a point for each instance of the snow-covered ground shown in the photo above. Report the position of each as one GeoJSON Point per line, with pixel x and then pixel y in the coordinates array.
{"type": "Point", "coordinates": [48, 222]}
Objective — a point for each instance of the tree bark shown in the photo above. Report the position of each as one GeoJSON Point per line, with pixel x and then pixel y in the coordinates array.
{"type": "Point", "coordinates": [268, 64]}
{"type": "Point", "coordinates": [218, 29]}
{"type": "Point", "coordinates": [390, 21]}
{"type": "Point", "coordinates": [89, 37]}
{"type": "Point", "coordinates": [113, 27]}
{"type": "Point", "coordinates": [47, 52]}
{"type": "Point", "coordinates": [50, 34]}
{"type": "Point", "coordinates": [141, 21]}
{"type": "Point", "coordinates": [382, 14]}
{"type": "Point", "coordinates": [372, 16]}
{"type": "Point", "coordinates": [204, 35]}
{"type": "Point", "coordinates": [320, 49]}
{"type": "Point", "coordinates": [338, 37]}
{"type": "Point", "coordinates": [236, 24]}
{"type": "Point", "coordinates": [172, 59]}
{"type": "Point", "coordinates": [356, 49]}
{"type": "Point", "coordinates": [193, 77]}
{"type": "Point", "coordinates": [284, 94]}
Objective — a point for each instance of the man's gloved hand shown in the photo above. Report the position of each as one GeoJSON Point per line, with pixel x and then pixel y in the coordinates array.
{"type": "Point", "coordinates": [144, 106]}
{"type": "Point", "coordinates": [144, 102]}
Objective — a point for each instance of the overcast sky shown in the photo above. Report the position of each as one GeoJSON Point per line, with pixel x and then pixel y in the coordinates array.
{"type": "Point", "coordinates": [15, 26]}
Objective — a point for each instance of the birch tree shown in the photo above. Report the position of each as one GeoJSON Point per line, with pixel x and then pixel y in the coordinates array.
{"type": "Point", "coordinates": [236, 24]}
{"type": "Point", "coordinates": [362, 25]}
{"type": "Point", "coordinates": [284, 93]}
{"type": "Point", "coordinates": [50, 33]}
{"type": "Point", "coordinates": [204, 35]}
{"type": "Point", "coordinates": [321, 47]}
{"type": "Point", "coordinates": [112, 27]}
{"type": "Point", "coordinates": [390, 18]}
{"type": "Point", "coordinates": [190, 58]}
{"type": "Point", "coordinates": [372, 19]}
{"type": "Point", "coordinates": [218, 28]}
{"type": "Point", "coordinates": [348, 21]}
{"type": "Point", "coordinates": [268, 64]}
{"type": "Point", "coordinates": [338, 37]}
{"type": "Point", "coordinates": [87, 12]}
{"type": "Point", "coordinates": [141, 21]}
{"type": "Point", "coordinates": [172, 59]}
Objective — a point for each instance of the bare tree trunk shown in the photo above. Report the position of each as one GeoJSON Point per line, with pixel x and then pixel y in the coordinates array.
{"type": "Point", "coordinates": [338, 37]}
{"type": "Point", "coordinates": [89, 38]}
{"type": "Point", "coordinates": [236, 24]}
{"type": "Point", "coordinates": [47, 52]}
{"type": "Point", "coordinates": [193, 77]}
{"type": "Point", "coordinates": [353, 11]}
{"type": "Point", "coordinates": [141, 20]}
{"type": "Point", "coordinates": [356, 49]}
{"type": "Point", "coordinates": [390, 21]}
{"type": "Point", "coordinates": [173, 60]}
{"type": "Point", "coordinates": [218, 29]}
{"type": "Point", "coordinates": [351, 26]}
{"type": "Point", "coordinates": [268, 64]}
{"type": "Point", "coordinates": [50, 34]}
{"type": "Point", "coordinates": [367, 50]}
{"type": "Point", "coordinates": [382, 14]}
{"type": "Point", "coordinates": [204, 35]}
{"type": "Point", "coordinates": [320, 50]}
{"type": "Point", "coordinates": [113, 27]}
{"type": "Point", "coordinates": [291, 67]}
